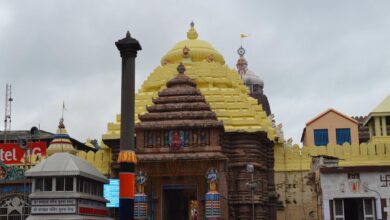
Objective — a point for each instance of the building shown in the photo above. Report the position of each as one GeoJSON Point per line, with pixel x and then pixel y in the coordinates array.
{"type": "Point", "coordinates": [378, 122]}
{"type": "Point", "coordinates": [194, 114]}
{"type": "Point", "coordinates": [305, 192]}
{"type": "Point", "coordinates": [359, 192]}
{"type": "Point", "coordinates": [330, 127]}
{"type": "Point", "coordinates": [66, 187]}
{"type": "Point", "coordinates": [14, 187]}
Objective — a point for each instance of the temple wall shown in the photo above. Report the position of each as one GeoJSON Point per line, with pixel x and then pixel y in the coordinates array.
{"type": "Point", "coordinates": [244, 148]}
{"type": "Point", "coordinates": [295, 186]}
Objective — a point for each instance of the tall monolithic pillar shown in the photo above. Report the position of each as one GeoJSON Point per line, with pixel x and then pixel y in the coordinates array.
{"type": "Point", "coordinates": [128, 48]}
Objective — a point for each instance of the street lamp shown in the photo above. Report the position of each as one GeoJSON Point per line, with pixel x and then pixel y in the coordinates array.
{"type": "Point", "coordinates": [252, 184]}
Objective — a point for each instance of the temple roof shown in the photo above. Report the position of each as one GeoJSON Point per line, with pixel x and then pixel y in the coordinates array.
{"type": "Point", "coordinates": [221, 86]}
{"type": "Point", "coordinates": [383, 109]}
{"type": "Point", "coordinates": [179, 105]}
{"type": "Point", "coordinates": [65, 164]}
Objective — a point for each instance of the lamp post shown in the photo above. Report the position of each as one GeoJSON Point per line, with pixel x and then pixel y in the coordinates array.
{"type": "Point", "coordinates": [128, 48]}
{"type": "Point", "coordinates": [252, 184]}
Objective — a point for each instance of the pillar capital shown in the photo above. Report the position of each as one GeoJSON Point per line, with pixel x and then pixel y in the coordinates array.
{"type": "Point", "coordinates": [128, 46]}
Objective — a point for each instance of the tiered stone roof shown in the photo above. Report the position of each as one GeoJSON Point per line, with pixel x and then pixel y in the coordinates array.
{"type": "Point", "coordinates": [179, 105]}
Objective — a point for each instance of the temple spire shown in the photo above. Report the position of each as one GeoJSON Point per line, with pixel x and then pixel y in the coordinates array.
{"type": "Point", "coordinates": [192, 34]}
{"type": "Point", "coordinates": [242, 64]}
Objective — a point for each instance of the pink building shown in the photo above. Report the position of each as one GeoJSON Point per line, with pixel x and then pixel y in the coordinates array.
{"type": "Point", "coordinates": [330, 127]}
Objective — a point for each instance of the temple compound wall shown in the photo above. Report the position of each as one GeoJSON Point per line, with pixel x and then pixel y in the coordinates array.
{"type": "Point", "coordinates": [298, 188]}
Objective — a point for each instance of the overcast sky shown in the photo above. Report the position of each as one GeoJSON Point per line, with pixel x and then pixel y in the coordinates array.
{"type": "Point", "coordinates": [312, 55]}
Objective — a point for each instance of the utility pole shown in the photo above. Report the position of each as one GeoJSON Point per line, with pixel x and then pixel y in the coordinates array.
{"type": "Point", "coordinates": [7, 117]}
{"type": "Point", "coordinates": [127, 159]}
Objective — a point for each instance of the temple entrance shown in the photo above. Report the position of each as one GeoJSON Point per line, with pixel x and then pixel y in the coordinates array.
{"type": "Point", "coordinates": [177, 201]}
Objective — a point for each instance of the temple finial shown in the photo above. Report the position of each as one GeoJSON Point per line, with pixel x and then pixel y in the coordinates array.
{"type": "Point", "coordinates": [61, 124]}
{"type": "Point", "coordinates": [192, 34]}
{"type": "Point", "coordinates": [181, 68]}
{"type": "Point", "coordinates": [128, 34]}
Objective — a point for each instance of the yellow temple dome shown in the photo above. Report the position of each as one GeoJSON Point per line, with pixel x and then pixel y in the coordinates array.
{"type": "Point", "coordinates": [198, 50]}
{"type": "Point", "coordinates": [222, 87]}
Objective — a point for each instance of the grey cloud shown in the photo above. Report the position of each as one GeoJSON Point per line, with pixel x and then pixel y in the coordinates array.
{"type": "Point", "coordinates": [312, 55]}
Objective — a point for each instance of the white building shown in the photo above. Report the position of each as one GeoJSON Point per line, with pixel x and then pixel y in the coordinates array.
{"type": "Point", "coordinates": [354, 193]}
{"type": "Point", "coordinates": [65, 186]}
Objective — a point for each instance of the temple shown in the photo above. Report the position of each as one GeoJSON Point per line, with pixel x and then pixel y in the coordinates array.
{"type": "Point", "coordinates": [196, 117]}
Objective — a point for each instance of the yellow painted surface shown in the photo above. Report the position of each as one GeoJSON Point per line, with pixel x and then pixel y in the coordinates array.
{"type": "Point", "coordinates": [222, 87]}
{"type": "Point", "coordinates": [295, 159]}
{"type": "Point", "coordinates": [100, 159]}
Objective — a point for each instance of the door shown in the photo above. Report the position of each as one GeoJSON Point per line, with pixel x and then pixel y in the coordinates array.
{"type": "Point", "coordinates": [354, 209]}
{"type": "Point", "coordinates": [177, 200]}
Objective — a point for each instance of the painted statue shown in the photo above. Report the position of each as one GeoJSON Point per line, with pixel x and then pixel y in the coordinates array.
{"type": "Point", "coordinates": [194, 210]}
{"type": "Point", "coordinates": [176, 140]}
{"type": "Point", "coordinates": [140, 181]}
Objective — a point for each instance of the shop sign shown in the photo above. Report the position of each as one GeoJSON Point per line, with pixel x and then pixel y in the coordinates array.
{"type": "Point", "coordinates": [11, 153]}
{"type": "Point", "coordinates": [53, 202]}
{"type": "Point", "coordinates": [53, 209]}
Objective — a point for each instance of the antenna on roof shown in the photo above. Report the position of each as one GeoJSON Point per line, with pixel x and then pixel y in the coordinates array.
{"type": "Point", "coordinates": [7, 117]}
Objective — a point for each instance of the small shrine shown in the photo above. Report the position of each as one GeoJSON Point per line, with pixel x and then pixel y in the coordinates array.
{"type": "Point", "coordinates": [65, 186]}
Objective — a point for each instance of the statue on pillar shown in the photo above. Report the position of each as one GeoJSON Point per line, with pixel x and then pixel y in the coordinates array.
{"type": "Point", "coordinates": [140, 198]}
{"type": "Point", "coordinates": [213, 197]}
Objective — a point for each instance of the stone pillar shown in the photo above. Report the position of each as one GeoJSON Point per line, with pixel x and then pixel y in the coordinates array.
{"type": "Point", "coordinates": [378, 208]}
{"type": "Point", "coordinates": [33, 185]}
{"type": "Point", "coordinates": [54, 188]}
{"type": "Point", "coordinates": [74, 184]}
{"type": "Point", "coordinates": [384, 126]}
{"type": "Point", "coordinates": [371, 129]}
{"type": "Point", "coordinates": [128, 48]}
{"type": "Point", "coordinates": [377, 127]}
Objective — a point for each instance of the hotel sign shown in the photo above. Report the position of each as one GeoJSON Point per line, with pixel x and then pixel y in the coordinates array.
{"type": "Point", "coordinates": [11, 153]}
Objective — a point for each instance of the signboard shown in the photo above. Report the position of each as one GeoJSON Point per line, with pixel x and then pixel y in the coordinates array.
{"type": "Point", "coordinates": [53, 209]}
{"type": "Point", "coordinates": [11, 153]}
{"type": "Point", "coordinates": [111, 193]}
{"type": "Point", "coordinates": [53, 202]}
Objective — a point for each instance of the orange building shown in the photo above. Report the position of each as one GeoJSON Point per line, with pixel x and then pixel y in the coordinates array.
{"type": "Point", "coordinates": [330, 127]}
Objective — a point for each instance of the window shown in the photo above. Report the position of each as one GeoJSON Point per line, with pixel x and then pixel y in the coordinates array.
{"type": "Point", "coordinates": [368, 209]}
{"type": "Point", "coordinates": [321, 137]}
{"type": "Point", "coordinates": [39, 184]}
{"type": "Point", "coordinates": [339, 209]}
{"type": "Point", "coordinates": [353, 176]}
{"type": "Point", "coordinates": [343, 135]}
{"type": "Point", "coordinates": [60, 184]}
{"type": "Point", "coordinates": [69, 184]}
{"type": "Point", "coordinates": [48, 184]}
